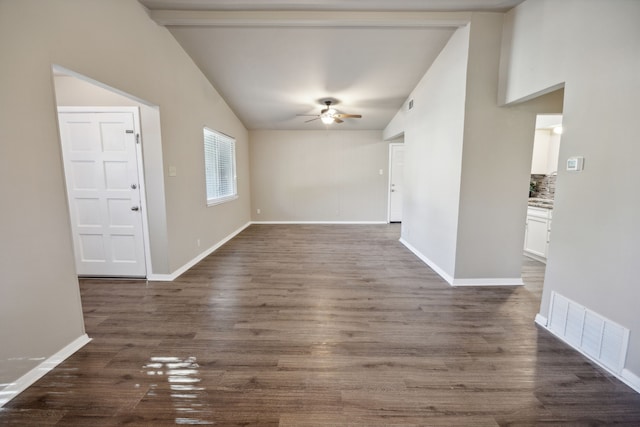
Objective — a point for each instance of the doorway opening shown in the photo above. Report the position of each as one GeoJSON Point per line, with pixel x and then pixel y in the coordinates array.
{"type": "Point", "coordinates": [546, 111]}
{"type": "Point", "coordinates": [542, 185]}
{"type": "Point", "coordinates": [111, 149]}
{"type": "Point", "coordinates": [105, 189]}
{"type": "Point", "coordinates": [396, 174]}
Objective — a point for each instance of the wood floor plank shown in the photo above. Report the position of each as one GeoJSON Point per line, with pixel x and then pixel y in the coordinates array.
{"type": "Point", "coordinates": [319, 325]}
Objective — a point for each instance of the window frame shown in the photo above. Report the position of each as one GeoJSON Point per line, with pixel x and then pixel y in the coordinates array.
{"type": "Point", "coordinates": [216, 137]}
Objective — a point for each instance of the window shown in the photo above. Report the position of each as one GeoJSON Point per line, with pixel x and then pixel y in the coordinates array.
{"type": "Point", "coordinates": [220, 167]}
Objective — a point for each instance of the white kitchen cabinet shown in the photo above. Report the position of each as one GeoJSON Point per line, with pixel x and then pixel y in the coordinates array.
{"type": "Point", "coordinates": [537, 233]}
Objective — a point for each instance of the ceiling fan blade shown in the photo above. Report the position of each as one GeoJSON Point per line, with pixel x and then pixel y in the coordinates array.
{"type": "Point", "coordinates": [347, 116]}
{"type": "Point", "coordinates": [307, 121]}
{"type": "Point", "coordinates": [306, 115]}
{"type": "Point", "coordinates": [337, 120]}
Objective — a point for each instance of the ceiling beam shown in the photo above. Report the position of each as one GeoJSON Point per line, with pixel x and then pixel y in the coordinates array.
{"type": "Point", "coordinates": [309, 19]}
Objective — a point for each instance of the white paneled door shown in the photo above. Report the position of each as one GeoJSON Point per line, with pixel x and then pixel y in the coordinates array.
{"type": "Point", "coordinates": [396, 172]}
{"type": "Point", "coordinates": [101, 170]}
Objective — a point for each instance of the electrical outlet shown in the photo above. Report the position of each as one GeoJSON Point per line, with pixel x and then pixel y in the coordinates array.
{"type": "Point", "coordinates": [258, 211]}
{"type": "Point", "coordinates": [198, 242]}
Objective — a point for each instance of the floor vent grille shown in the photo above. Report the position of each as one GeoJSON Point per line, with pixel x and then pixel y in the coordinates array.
{"type": "Point", "coordinates": [597, 337]}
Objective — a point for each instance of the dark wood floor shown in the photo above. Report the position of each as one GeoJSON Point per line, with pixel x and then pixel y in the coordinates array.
{"type": "Point", "coordinates": [314, 325]}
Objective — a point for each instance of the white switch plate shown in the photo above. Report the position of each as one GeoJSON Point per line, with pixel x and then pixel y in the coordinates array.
{"type": "Point", "coordinates": [575, 163]}
{"type": "Point", "coordinates": [173, 171]}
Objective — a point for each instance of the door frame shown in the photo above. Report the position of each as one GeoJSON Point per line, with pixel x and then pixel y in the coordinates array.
{"type": "Point", "coordinates": [391, 146]}
{"type": "Point", "coordinates": [139, 164]}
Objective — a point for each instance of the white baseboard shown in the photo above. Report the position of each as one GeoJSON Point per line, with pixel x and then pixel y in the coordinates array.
{"type": "Point", "coordinates": [631, 379]}
{"type": "Point", "coordinates": [18, 386]}
{"type": "Point", "coordinates": [535, 257]}
{"type": "Point", "coordinates": [516, 281]}
{"type": "Point", "coordinates": [541, 320]}
{"type": "Point", "coordinates": [320, 222]}
{"type": "Point", "coordinates": [173, 276]}
{"type": "Point", "coordinates": [508, 281]}
{"type": "Point", "coordinates": [427, 261]}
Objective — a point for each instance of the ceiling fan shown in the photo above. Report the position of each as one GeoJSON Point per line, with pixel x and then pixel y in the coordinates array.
{"type": "Point", "coordinates": [330, 115]}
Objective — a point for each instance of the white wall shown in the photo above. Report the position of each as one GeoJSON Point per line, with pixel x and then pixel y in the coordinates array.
{"type": "Point", "coordinates": [546, 148]}
{"type": "Point", "coordinates": [433, 137]}
{"type": "Point", "coordinates": [592, 46]}
{"type": "Point", "coordinates": [554, 153]}
{"type": "Point", "coordinates": [327, 176]}
{"type": "Point", "coordinates": [496, 161]}
{"type": "Point", "coordinates": [116, 43]}
{"type": "Point", "coordinates": [541, 142]}
{"type": "Point", "coordinates": [468, 162]}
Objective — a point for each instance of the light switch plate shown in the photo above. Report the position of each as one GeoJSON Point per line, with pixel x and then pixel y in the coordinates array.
{"type": "Point", "coordinates": [173, 171]}
{"type": "Point", "coordinates": [575, 164]}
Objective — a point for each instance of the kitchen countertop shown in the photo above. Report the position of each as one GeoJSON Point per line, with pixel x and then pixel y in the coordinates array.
{"type": "Point", "coordinates": [541, 203]}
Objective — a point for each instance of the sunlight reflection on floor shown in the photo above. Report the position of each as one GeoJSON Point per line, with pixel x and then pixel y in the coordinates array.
{"type": "Point", "coordinates": [189, 399]}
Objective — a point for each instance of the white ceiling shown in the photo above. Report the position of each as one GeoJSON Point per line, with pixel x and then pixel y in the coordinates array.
{"type": "Point", "coordinates": [272, 60]}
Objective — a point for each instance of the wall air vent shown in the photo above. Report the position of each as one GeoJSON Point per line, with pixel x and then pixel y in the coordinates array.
{"type": "Point", "coordinates": [601, 339]}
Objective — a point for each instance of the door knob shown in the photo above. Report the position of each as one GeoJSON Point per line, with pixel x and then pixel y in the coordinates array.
{"type": "Point", "coordinates": [134, 186]}
{"type": "Point", "coordinates": [135, 208]}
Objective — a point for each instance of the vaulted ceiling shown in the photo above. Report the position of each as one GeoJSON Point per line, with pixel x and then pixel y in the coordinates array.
{"type": "Point", "coordinates": [275, 60]}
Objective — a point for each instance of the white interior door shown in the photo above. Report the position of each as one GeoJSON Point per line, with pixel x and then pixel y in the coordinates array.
{"type": "Point", "coordinates": [396, 171]}
{"type": "Point", "coordinates": [101, 170]}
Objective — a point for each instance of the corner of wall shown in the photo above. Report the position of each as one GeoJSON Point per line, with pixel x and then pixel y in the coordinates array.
{"type": "Point", "coordinates": [18, 386]}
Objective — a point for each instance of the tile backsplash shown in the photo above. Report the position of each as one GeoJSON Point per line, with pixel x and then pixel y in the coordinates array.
{"type": "Point", "coordinates": [546, 186]}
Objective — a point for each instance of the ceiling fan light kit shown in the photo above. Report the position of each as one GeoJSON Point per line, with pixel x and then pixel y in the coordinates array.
{"type": "Point", "coordinates": [330, 115]}
{"type": "Point", "coordinates": [327, 116]}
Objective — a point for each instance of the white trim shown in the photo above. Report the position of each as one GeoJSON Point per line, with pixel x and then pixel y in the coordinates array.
{"type": "Point", "coordinates": [143, 190]}
{"type": "Point", "coordinates": [212, 139]}
{"type": "Point", "coordinates": [535, 257]}
{"type": "Point", "coordinates": [320, 222]}
{"type": "Point", "coordinates": [139, 164]}
{"type": "Point", "coordinates": [221, 200]}
{"type": "Point", "coordinates": [427, 261]}
{"type": "Point", "coordinates": [630, 379]}
{"type": "Point", "coordinates": [502, 281]}
{"type": "Point", "coordinates": [173, 276]}
{"type": "Point", "coordinates": [515, 281]}
{"type": "Point", "coordinates": [310, 18]}
{"type": "Point", "coordinates": [541, 320]}
{"type": "Point", "coordinates": [18, 386]}
{"type": "Point", "coordinates": [389, 172]}
{"type": "Point", "coordinates": [95, 109]}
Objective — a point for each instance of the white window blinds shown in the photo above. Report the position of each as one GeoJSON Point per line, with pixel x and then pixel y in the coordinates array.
{"type": "Point", "coordinates": [220, 167]}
